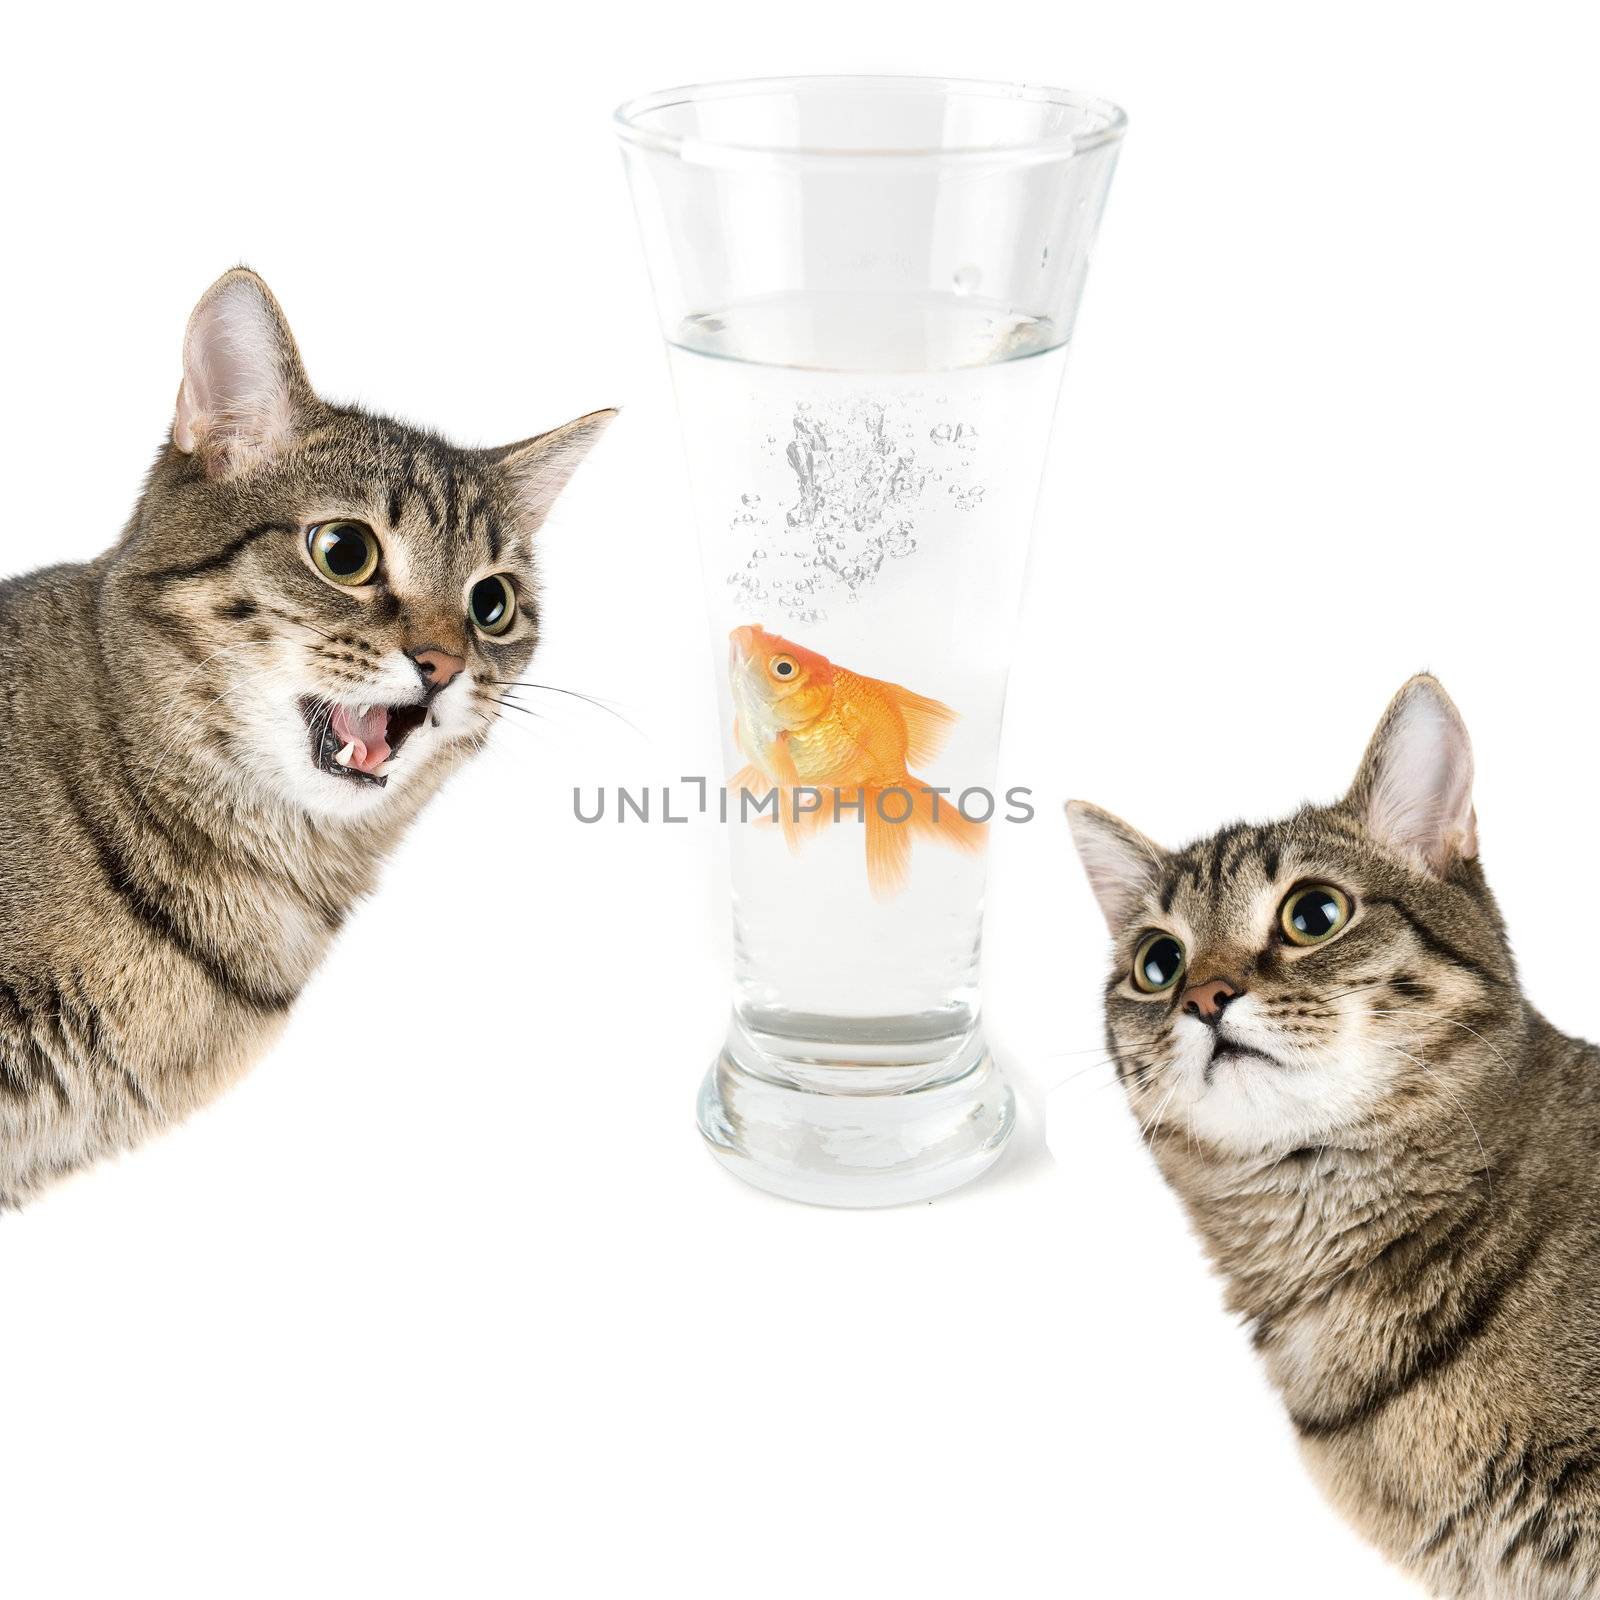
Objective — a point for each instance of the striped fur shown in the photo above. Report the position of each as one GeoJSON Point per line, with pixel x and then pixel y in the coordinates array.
{"type": "Point", "coordinates": [1404, 1200]}
{"type": "Point", "coordinates": [173, 865]}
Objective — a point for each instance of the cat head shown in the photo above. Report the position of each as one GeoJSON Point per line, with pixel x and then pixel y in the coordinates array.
{"type": "Point", "coordinates": [323, 606]}
{"type": "Point", "coordinates": [1299, 982]}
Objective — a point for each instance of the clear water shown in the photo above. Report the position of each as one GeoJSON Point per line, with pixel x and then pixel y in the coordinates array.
{"type": "Point", "coordinates": [864, 478]}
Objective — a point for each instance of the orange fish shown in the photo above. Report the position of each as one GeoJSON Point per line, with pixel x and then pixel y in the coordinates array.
{"type": "Point", "coordinates": [803, 722]}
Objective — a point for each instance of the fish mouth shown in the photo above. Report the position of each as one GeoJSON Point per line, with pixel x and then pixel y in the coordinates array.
{"type": "Point", "coordinates": [742, 642]}
{"type": "Point", "coordinates": [359, 743]}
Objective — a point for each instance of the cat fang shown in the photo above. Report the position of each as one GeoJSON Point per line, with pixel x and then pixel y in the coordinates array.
{"type": "Point", "coordinates": [359, 744]}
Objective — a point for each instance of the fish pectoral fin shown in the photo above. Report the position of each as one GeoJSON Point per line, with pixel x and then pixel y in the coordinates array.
{"type": "Point", "coordinates": [938, 817]}
{"type": "Point", "coordinates": [782, 764]}
{"type": "Point", "coordinates": [928, 723]}
{"type": "Point", "coordinates": [888, 846]}
{"type": "Point", "coordinates": [752, 781]}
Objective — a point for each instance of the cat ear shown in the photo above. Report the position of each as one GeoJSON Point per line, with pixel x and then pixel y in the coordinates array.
{"type": "Point", "coordinates": [243, 383]}
{"type": "Point", "coordinates": [1122, 864]}
{"type": "Point", "coordinates": [541, 467]}
{"type": "Point", "coordinates": [1414, 789]}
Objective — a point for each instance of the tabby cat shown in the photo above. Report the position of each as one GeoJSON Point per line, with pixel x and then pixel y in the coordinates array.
{"type": "Point", "coordinates": [1390, 1156]}
{"type": "Point", "coordinates": [212, 735]}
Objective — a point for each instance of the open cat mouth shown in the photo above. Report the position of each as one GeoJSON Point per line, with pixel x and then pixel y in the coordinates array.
{"type": "Point", "coordinates": [358, 742]}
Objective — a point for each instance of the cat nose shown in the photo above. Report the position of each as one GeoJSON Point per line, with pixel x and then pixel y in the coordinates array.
{"type": "Point", "coordinates": [1208, 1000]}
{"type": "Point", "coordinates": [438, 667]}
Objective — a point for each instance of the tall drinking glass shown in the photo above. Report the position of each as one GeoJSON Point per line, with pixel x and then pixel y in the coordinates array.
{"type": "Point", "coordinates": [867, 287]}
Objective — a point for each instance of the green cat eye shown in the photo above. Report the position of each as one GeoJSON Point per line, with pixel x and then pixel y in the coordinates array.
{"type": "Point", "coordinates": [344, 552]}
{"type": "Point", "coordinates": [493, 604]}
{"type": "Point", "coordinates": [1313, 914]}
{"type": "Point", "coordinates": [1158, 963]}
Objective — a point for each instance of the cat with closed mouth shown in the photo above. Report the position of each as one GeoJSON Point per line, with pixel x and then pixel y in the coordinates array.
{"type": "Point", "coordinates": [212, 735]}
{"type": "Point", "coordinates": [1390, 1157]}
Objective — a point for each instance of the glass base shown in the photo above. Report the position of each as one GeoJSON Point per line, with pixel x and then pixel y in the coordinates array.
{"type": "Point", "coordinates": [858, 1135]}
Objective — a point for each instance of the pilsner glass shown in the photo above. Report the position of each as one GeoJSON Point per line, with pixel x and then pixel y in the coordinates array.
{"type": "Point", "coordinates": [867, 287]}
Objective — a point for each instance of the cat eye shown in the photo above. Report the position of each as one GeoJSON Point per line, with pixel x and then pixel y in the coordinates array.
{"type": "Point", "coordinates": [1158, 963]}
{"type": "Point", "coordinates": [493, 604]}
{"type": "Point", "coordinates": [784, 667]}
{"type": "Point", "coordinates": [1313, 914]}
{"type": "Point", "coordinates": [343, 552]}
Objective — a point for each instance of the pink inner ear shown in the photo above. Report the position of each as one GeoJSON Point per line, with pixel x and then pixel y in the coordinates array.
{"type": "Point", "coordinates": [542, 467]}
{"type": "Point", "coordinates": [1421, 797]}
{"type": "Point", "coordinates": [236, 399]}
{"type": "Point", "coordinates": [1120, 867]}
{"type": "Point", "coordinates": [183, 424]}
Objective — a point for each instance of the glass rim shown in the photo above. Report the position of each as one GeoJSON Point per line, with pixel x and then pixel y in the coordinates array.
{"type": "Point", "coordinates": [719, 152]}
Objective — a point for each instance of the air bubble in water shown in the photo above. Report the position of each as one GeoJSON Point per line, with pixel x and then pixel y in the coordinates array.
{"type": "Point", "coordinates": [859, 486]}
{"type": "Point", "coordinates": [967, 279]}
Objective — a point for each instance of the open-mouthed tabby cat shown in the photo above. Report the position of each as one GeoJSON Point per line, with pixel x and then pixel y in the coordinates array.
{"type": "Point", "coordinates": [211, 736]}
{"type": "Point", "coordinates": [1390, 1156]}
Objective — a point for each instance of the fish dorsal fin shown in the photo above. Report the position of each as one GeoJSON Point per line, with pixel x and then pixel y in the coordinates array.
{"type": "Point", "coordinates": [928, 723]}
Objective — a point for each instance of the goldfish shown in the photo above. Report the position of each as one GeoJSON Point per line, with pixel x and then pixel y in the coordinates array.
{"type": "Point", "coordinates": [802, 721]}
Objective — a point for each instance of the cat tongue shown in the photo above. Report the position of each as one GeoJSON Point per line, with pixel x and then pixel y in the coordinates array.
{"type": "Point", "coordinates": [364, 732]}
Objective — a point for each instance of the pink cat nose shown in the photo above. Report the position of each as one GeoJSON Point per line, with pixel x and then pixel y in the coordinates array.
{"type": "Point", "coordinates": [437, 667]}
{"type": "Point", "coordinates": [1208, 1000]}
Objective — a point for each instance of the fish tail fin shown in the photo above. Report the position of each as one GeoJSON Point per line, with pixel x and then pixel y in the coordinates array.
{"type": "Point", "coordinates": [938, 817]}
{"type": "Point", "coordinates": [888, 849]}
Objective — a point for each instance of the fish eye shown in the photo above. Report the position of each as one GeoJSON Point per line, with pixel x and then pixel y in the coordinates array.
{"type": "Point", "coordinates": [783, 667]}
{"type": "Point", "coordinates": [343, 552]}
{"type": "Point", "coordinates": [1314, 913]}
{"type": "Point", "coordinates": [493, 604]}
{"type": "Point", "coordinates": [1158, 963]}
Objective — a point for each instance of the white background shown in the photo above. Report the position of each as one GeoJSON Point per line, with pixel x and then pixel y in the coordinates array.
{"type": "Point", "coordinates": [446, 1299]}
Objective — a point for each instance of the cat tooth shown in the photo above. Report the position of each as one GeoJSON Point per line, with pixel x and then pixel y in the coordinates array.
{"type": "Point", "coordinates": [343, 757]}
{"type": "Point", "coordinates": [384, 770]}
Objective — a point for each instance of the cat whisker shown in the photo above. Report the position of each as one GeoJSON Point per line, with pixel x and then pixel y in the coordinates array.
{"type": "Point", "coordinates": [1455, 1100]}
{"type": "Point", "coordinates": [1422, 1019]}
{"type": "Point", "coordinates": [554, 688]}
{"type": "Point", "coordinates": [192, 718]}
{"type": "Point", "coordinates": [173, 690]}
{"type": "Point", "coordinates": [300, 622]}
{"type": "Point", "coordinates": [511, 705]}
{"type": "Point", "coordinates": [1153, 1126]}
{"type": "Point", "coordinates": [488, 718]}
{"type": "Point", "coordinates": [1082, 1072]}
{"type": "Point", "coordinates": [1453, 1023]}
{"type": "Point", "coordinates": [1051, 1055]}
{"type": "Point", "coordinates": [1376, 983]}
{"type": "Point", "coordinates": [597, 701]}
